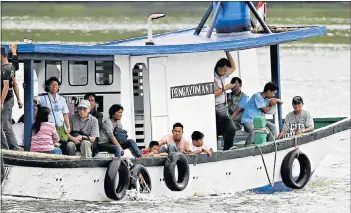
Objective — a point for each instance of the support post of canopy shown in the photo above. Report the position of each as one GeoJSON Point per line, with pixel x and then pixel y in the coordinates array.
{"type": "Point", "coordinates": [204, 19]}
{"type": "Point", "coordinates": [215, 16]}
{"type": "Point", "coordinates": [275, 75]}
{"type": "Point", "coordinates": [28, 102]}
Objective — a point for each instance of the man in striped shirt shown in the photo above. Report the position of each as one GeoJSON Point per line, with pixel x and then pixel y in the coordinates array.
{"type": "Point", "coordinates": [85, 129]}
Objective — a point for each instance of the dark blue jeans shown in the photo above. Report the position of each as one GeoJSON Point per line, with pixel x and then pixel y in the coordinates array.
{"type": "Point", "coordinates": [111, 148]}
{"type": "Point", "coordinates": [56, 151]}
{"type": "Point", "coordinates": [130, 143]}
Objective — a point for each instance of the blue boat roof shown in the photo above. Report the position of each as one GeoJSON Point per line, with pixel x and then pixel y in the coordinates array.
{"type": "Point", "coordinates": [182, 41]}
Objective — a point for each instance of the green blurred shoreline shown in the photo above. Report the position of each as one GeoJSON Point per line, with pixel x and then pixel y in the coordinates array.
{"type": "Point", "coordinates": [279, 13]}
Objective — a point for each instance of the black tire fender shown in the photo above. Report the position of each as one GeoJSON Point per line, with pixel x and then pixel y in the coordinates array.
{"type": "Point", "coordinates": [116, 179]}
{"type": "Point", "coordinates": [176, 159]}
{"type": "Point", "coordinates": [134, 173]}
{"type": "Point", "coordinates": [286, 169]}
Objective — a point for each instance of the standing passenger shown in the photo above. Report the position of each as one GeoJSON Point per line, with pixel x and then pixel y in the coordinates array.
{"type": "Point", "coordinates": [58, 107]}
{"type": "Point", "coordinates": [7, 101]}
{"type": "Point", "coordinates": [224, 123]}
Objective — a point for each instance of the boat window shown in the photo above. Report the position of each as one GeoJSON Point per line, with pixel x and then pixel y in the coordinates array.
{"type": "Point", "coordinates": [78, 73]}
{"type": "Point", "coordinates": [53, 69]}
{"type": "Point", "coordinates": [103, 72]}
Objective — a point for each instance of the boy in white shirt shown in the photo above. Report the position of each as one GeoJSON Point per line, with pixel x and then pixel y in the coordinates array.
{"type": "Point", "coordinates": [198, 146]}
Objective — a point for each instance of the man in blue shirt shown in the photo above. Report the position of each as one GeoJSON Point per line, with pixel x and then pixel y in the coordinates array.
{"type": "Point", "coordinates": [258, 105]}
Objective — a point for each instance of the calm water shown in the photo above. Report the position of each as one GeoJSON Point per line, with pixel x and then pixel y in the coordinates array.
{"type": "Point", "coordinates": [321, 75]}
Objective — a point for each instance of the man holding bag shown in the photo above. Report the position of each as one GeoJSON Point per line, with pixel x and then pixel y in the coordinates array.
{"type": "Point", "coordinates": [85, 129]}
{"type": "Point", "coordinates": [225, 126]}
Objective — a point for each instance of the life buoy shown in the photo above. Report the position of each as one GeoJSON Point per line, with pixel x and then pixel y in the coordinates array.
{"type": "Point", "coordinates": [116, 179]}
{"type": "Point", "coordinates": [2, 170]}
{"type": "Point", "coordinates": [286, 169]}
{"type": "Point", "coordinates": [176, 159]}
{"type": "Point", "coordinates": [134, 176]}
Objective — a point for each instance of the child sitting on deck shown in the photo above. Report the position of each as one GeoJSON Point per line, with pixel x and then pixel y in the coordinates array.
{"type": "Point", "coordinates": [153, 150]}
{"type": "Point", "coordinates": [198, 146]}
{"type": "Point", "coordinates": [45, 138]}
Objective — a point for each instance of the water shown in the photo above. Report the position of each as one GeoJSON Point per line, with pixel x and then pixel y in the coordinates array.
{"type": "Point", "coordinates": [128, 24]}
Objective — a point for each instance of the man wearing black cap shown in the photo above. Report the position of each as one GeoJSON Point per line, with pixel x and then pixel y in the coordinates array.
{"type": "Point", "coordinates": [298, 121]}
{"type": "Point", "coordinates": [7, 99]}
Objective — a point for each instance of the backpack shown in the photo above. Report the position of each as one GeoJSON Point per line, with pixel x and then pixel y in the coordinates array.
{"type": "Point", "coordinates": [121, 135]}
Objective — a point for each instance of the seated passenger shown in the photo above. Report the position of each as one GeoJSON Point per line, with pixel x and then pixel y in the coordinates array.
{"type": "Point", "coordinates": [198, 146]}
{"type": "Point", "coordinates": [45, 138]}
{"type": "Point", "coordinates": [175, 142]}
{"type": "Point", "coordinates": [237, 100]}
{"type": "Point", "coordinates": [108, 140]}
{"type": "Point", "coordinates": [258, 105]}
{"type": "Point", "coordinates": [85, 129]}
{"type": "Point", "coordinates": [298, 121]}
{"type": "Point", "coordinates": [153, 150]}
{"type": "Point", "coordinates": [93, 108]}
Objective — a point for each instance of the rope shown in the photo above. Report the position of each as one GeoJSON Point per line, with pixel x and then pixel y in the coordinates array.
{"type": "Point", "coordinates": [266, 130]}
{"type": "Point", "coordinates": [142, 182]}
{"type": "Point", "coordinates": [296, 147]}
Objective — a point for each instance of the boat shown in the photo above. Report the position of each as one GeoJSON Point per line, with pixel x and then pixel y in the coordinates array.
{"type": "Point", "coordinates": [154, 78]}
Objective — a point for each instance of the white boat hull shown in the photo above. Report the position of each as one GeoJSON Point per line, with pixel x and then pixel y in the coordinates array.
{"type": "Point", "coordinates": [226, 176]}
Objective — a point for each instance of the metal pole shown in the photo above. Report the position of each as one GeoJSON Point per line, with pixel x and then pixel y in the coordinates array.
{"type": "Point", "coordinates": [275, 74]}
{"type": "Point", "coordinates": [254, 11]}
{"type": "Point", "coordinates": [28, 102]}
{"type": "Point", "coordinates": [215, 16]}
{"type": "Point", "coordinates": [204, 19]}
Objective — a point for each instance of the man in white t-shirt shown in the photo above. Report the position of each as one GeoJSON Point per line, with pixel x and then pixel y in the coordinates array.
{"type": "Point", "coordinates": [198, 146]}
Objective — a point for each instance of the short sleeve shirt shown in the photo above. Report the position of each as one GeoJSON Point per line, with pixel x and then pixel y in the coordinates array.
{"type": "Point", "coordinates": [7, 73]}
{"type": "Point", "coordinates": [89, 126]}
{"type": "Point", "coordinates": [182, 145]}
{"type": "Point", "coordinates": [219, 82]}
{"type": "Point", "coordinates": [235, 101]}
{"type": "Point", "coordinates": [253, 106]}
{"type": "Point", "coordinates": [106, 131]}
{"type": "Point", "coordinates": [294, 122]}
{"type": "Point", "coordinates": [199, 148]}
{"type": "Point", "coordinates": [58, 107]}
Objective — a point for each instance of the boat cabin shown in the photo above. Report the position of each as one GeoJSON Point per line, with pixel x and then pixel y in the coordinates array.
{"type": "Point", "coordinates": [160, 79]}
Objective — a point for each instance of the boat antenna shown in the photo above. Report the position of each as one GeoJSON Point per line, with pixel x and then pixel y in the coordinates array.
{"type": "Point", "coordinates": [149, 32]}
